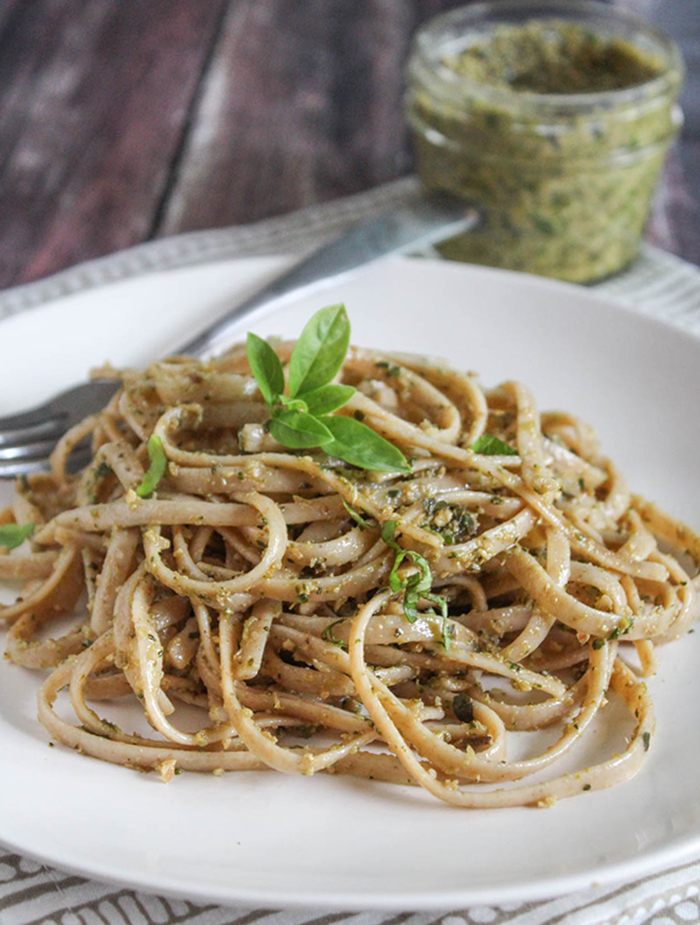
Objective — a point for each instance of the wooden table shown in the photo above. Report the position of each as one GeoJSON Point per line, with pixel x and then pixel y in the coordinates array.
{"type": "Point", "coordinates": [124, 120]}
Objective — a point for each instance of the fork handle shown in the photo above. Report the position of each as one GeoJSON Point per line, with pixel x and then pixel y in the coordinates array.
{"type": "Point", "coordinates": [427, 220]}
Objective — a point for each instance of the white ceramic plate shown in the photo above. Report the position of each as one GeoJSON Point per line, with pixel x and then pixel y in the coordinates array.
{"type": "Point", "coordinates": [267, 839]}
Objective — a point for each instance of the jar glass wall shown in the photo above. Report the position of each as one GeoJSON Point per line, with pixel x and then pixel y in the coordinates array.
{"type": "Point", "coordinates": [562, 181]}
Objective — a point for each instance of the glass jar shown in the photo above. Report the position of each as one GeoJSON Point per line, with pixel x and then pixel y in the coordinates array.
{"type": "Point", "coordinates": [562, 181]}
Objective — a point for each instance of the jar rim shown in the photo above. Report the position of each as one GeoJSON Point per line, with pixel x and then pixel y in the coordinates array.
{"type": "Point", "coordinates": [583, 11]}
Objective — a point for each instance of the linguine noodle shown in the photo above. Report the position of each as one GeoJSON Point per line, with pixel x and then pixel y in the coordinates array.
{"type": "Point", "coordinates": [256, 588]}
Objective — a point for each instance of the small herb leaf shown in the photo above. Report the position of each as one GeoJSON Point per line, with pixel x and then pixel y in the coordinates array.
{"type": "Point", "coordinates": [358, 518]}
{"type": "Point", "coordinates": [13, 535]}
{"type": "Point", "coordinates": [293, 404]}
{"type": "Point", "coordinates": [320, 351]}
{"type": "Point", "coordinates": [156, 471]}
{"type": "Point", "coordinates": [329, 635]}
{"type": "Point", "coordinates": [299, 430]}
{"type": "Point", "coordinates": [328, 398]}
{"type": "Point", "coordinates": [396, 582]}
{"type": "Point", "coordinates": [266, 368]}
{"type": "Point", "coordinates": [488, 445]}
{"type": "Point", "coordinates": [359, 445]}
{"type": "Point", "coordinates": [416, 585]}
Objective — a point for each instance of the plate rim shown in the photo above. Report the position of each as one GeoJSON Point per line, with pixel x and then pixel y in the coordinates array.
{"type": "Point", "coordinates": [538, 891]}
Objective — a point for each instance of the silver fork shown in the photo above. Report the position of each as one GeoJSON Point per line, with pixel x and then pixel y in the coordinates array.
{"type": "Point", "coordinates": [27, 439]}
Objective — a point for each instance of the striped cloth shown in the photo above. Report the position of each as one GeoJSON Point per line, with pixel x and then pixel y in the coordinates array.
{"type": "Point", "coordinates": [32, 894]}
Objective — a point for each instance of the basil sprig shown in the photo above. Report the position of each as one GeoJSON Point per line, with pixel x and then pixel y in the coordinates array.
{"type": "Point", "coordinates": [13, 535]}
{"type": "Point", "coordinates": [415, 586]}
{"type": "Point", "coordinates": [156, 470]}
{"type": "Point", "coordinates": [304, 419]}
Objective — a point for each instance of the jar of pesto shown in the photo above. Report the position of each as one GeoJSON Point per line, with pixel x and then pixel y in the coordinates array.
{"type": "Point", "coordinates": [552, 118]}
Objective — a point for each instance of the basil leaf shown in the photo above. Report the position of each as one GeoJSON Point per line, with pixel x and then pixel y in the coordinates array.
{"type": "Point", "coordinates": [415, 586]}
{"type": "Point", "coordinates": [440, 601]}
{"type": "Point", "coordinates": [266, 368]}
{"type": "Point", "coordinates": [410, 605]}
{"type": "Point", "coordinates": [320, 351]}
{"type": "Point", "coordinates": [293, 404]}
{"type": "Point", "coordinates": [328, 398]}
{"type": "Point", "coordinates": [388, 532]}
{"type": "Point", "coordinates": [358, 518]}
{"type": "Point", "coordinates": [420, 581]}
{"type": "Point", "coordinates": [396, 582]}
{"type": "Point", "coordinates": [13, 535]}
{"type": "Point", "coordinates": [424, 579]}
{"type": "Point", "coordinates": [299, 430]}
{"type": "Point", "coordinates": [360, 446]}
{"type": "Point", "coordinates": [156, 471]}
{"type": "Point", "coordinates": [488, 445]}
{"type": "Point", "coordinates": [442, 604]}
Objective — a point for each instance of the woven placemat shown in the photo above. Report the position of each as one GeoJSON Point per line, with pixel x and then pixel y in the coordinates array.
{"type": "Point", "coordinates": [658, 284]}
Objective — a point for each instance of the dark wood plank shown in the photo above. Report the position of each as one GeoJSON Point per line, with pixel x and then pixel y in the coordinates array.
{"type": "Point", "coordinates": [7, 10]}
{"type": "Point", "coordinates": [676, 221]}
{"type": "Point", "coordinates": [303, 104]}
{"type": "Point", "coordinates": [93, 100]}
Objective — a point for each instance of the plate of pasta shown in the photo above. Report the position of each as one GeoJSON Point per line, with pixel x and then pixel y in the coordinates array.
{"type": "Point", "coordinates": [392, 603]}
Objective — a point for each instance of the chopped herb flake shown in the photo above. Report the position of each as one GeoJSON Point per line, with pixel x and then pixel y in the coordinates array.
{"type": "Point", "coordinates": [488, 445]}
{"type": "Point", "coordinates": [156, 471]}
{"type": "Point", "coordinates": [13, 535]}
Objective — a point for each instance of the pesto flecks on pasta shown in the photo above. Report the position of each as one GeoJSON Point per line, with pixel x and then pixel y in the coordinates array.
{"type": "Point", "coordinates": [359, 564]}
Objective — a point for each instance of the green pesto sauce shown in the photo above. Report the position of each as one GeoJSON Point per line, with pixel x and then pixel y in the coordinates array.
{"type": "Point", "coordinates": [562, 190]}
{"type": "Point", "coordinates": [555, 57]}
